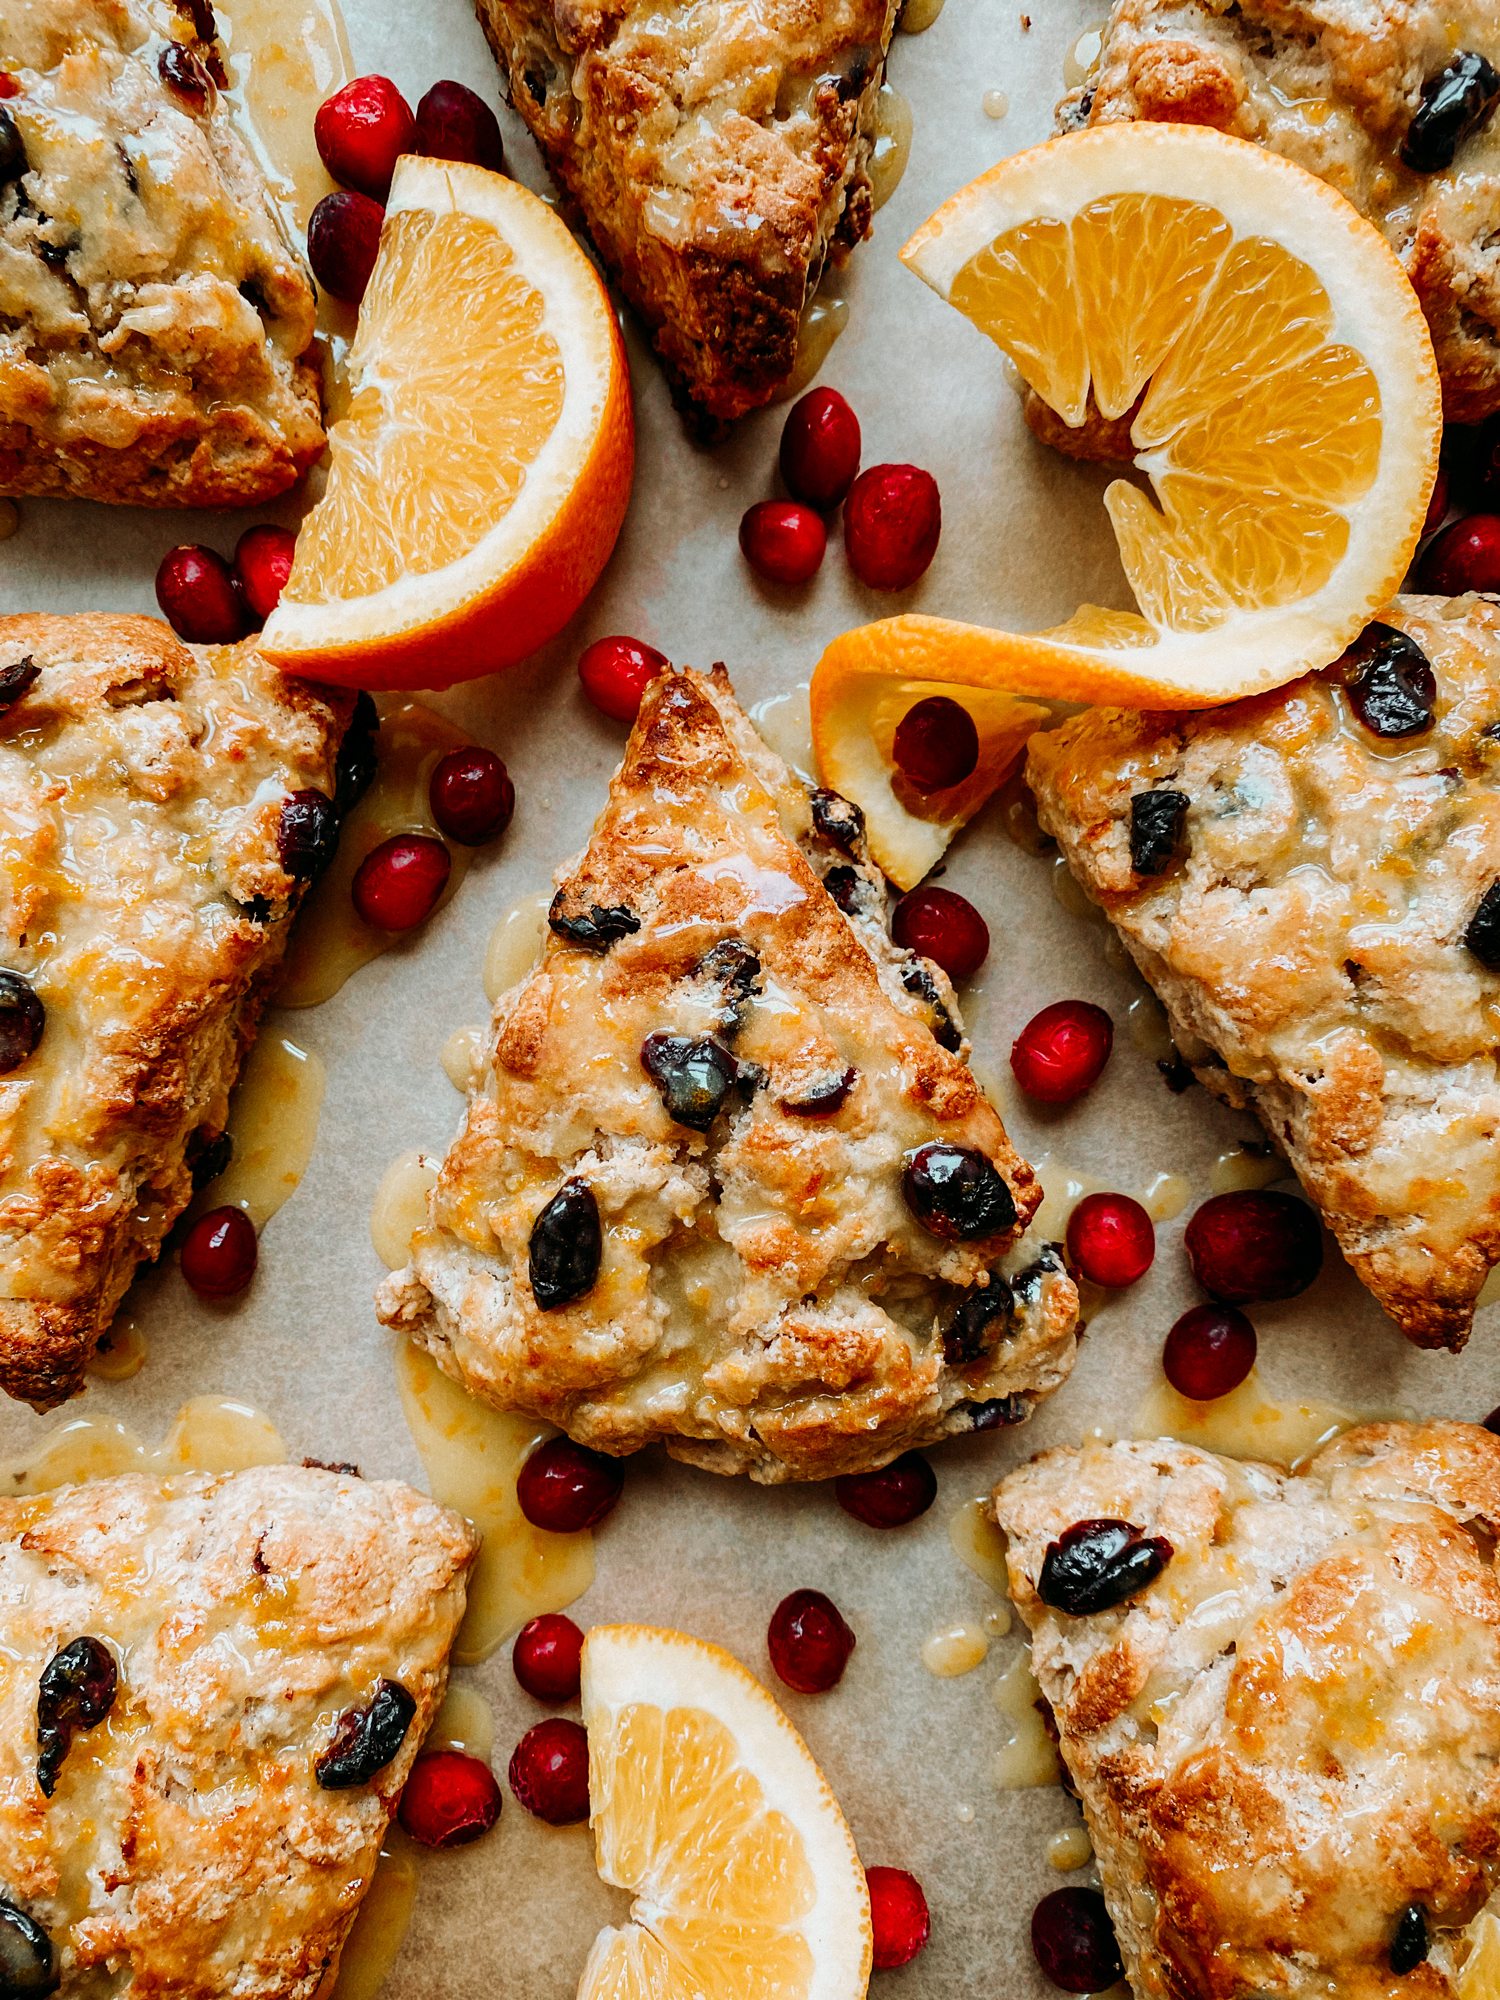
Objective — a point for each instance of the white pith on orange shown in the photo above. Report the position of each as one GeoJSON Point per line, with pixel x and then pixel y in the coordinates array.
{"type": "Point", "coordinates": [480, 478]}
{"type": "Point", "coordinates": [707, 1805]}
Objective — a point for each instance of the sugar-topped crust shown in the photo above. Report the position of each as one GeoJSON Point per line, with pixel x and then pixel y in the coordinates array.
{"type": "Point", "coordinates": [1294, 1732]}
{"type": "Point", "coordinates": [766, 1301]}
{"type": "Point", "coordinates": [142, 895]}
{"type": "Point", "coordinates": [187, 1846]}
{"type": "Point", "coordinates": [1308, 943]}
{"type": "Point", "coordinates": [155, 323]}
{"type": "Point", "coordinates": [720, 156]}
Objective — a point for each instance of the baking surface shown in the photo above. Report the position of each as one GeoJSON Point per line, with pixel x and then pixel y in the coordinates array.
{"type": "Point", "coordinates": [1024, 541]}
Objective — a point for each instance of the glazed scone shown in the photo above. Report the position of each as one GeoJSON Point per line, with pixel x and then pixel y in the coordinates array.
{"type": "Point", "coordinates": [720, 156]}
{"type": "Point", "coordinates": [190, 1841]}
{"type": "Point", "coordinates": [1287, 1745]}
{"type": "Point", "coordinates": [740, 1275]}
{"type": "Point", "coordinates": [155, 324]}
{"type": "Point", "coordinates": [144, 907]}
{"type": "Point", "coordinates": [1320, 920]}
{"type": "Point", "coordinates": [1335, 85]}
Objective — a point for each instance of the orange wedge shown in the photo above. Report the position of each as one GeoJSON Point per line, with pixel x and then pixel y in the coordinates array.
{"type": "Point", "coordinates": [480, 479]}
{"type": "Point", "coordinates": [706, 1804]}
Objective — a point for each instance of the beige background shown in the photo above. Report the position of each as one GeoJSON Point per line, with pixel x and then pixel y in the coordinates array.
{"type": "Point", "coordinates": [1023, 542]}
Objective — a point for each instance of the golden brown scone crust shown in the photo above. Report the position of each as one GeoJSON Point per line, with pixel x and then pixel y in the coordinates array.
{"type": "Point", "coordinates": [1308, 944]}
{"type": "Point", "coordinates": [1333, 84]}
{"type": "Point", "coordinates": [720, 155]}
{"type": "Point", "coordinates": [142, 895]}
{"type": "Point", "coordinates": [187, 1848]}
{"type": "Point", "coordinates": [1293, 1733]}
{"type": "Point", "coordinates": [766, 1301]}
{"type": "Point", "coordinates": [155, 324]}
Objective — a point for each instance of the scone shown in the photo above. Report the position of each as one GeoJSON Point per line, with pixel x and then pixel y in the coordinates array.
{"type": "Point", "coordinates": [1391, 104]}
{"type": "Point", "coordinates": [161, 809]}
{"type": "Point", "coordinates": [1279, 1701]}
{"type": "Point", "coordinates": [720, 155]}
{"type": "Point", "coordinates": [1311, 882]}
{"type": "Point", "coordinates": [725, 1178]}
{"type": "Point", "coordinates": [212, 1689]}
{"type": "Point", "coordinates": [155, 324]}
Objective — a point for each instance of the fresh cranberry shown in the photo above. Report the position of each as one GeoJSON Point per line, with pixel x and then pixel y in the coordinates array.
{"type": "Point", "coordinates": [547, 1657]}
{"type": "Point", "coordinates": [820, 449]}
{"type": "Point", "coordinates": [549, 1771]}
{"type": "Point", "coordinates": [262, 563]}
{"type": "Point", "coordinates": [219, 1253]}
{"type": "Point", "coordinates": [1437, 506]}
{"type": "Point", "coordinates": [891, 1497]}
{"type": "Point", "coordinates": [809, 1642]}
{"type": "Point", "coordinates": [454, 124]}
{"type": "Point", "coordinates": [565, 1486]}
{"type": "Point", "coordinates": [1075, 1942]}
{"type": "Point", "coordinates": [943, 927]}
{"type": "Point", "coordinates": [1209, 1351]}
{"type": "Point", "coordinates": [397, 885]}
{"type": "Point", "coordinates": [196, 590]}
{"type": "Point", "coordinates": [471, 795]}
{"type": "Point", "coordinates": [1255, 1245]}
{"type": "Point", "coordinates": [1061, 1052]}
{"type": "Point", "coordinates": [936, 745]}
{"type": "Point", "coordinates": [361, 131]}
{"type": "Point", "coordinates": [1111, 1240]}
{"type": "Point", "coordinates": [343, 239]}
{"type": "Point", "coordinates": [783, 541]}
{"type": "Point", "coordinates": [1465, 556]}
{"type": "Point", "coordinates": [617, 671]}
{"type": "Point", "coordinates": [449, 1799]}
{"type": "Point", "coordinates": [898, 1917]}
{"type": "Point", "coordinates": [892, 520]}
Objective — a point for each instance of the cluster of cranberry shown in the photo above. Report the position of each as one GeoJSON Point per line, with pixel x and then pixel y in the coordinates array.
{"type": "Point", "coordinates": [1465, 555]}
{"type": "Point", "coordinates": [211, 602]}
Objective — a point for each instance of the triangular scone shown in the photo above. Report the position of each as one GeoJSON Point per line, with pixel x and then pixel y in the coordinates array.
{"type": "Point", "coordinates": [766, 1299]}
{"type": "Point", "coordinates": [262, 1652]}
{"type": "Point", "coordinates": [1317, 908]}
{"type": "Point", "coordinates": [720, 154]}
{"type": "Point", "coordinates": [1287, 1744]}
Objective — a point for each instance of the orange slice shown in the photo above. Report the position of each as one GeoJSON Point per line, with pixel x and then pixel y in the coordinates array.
{"type": "Point", "coordinates": [706, 1804]}
{"type": "Point", "coordinates": [1480, 1978]}
{"type": "Point", "coordinates": [480, 478]}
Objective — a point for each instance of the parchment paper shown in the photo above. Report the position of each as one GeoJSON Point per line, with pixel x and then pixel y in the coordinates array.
{"type": "Point", "coordinates": [1024, 541]}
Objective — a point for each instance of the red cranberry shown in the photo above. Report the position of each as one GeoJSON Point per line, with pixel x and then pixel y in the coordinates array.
{"type": "Point", "coordinates": [1074, 1941]}
{"type": "Point", "coordinates": [549, 1771]}
{"type": "Point", "coordinates": [820, 448]}
{"type": "Point", "coordinates": [1492, 1421]}
{"type": "Point", "coordinates": [343, 238]}
{"type": "Point", "coordinates": [219, 1253]}
{"type": "Point", "coordinates": [783, 540]}
{"type": "Point", "coordinates": [892, 520]}
{"type": "Point", "coordinates": [809, 1642]}
{"type": "Point", "coordinates": [454, 124]}
{"type": "Point", "coordinates": [1061, 1052]}
{"type": "Point", "coordinates": [547, 1657]}
{"type": "Point", "coordinates": [898, 1917]}
{"type": "Point", "coordinates": [936, 744]}
{"type": "Point", "coordinates": [262, 563]}
{"type": "Point", "coordinates": [943, 927]}
{"type": "Point", "coordinates": [8, 85]}
{"type": "Point", "coordinates": [1437, 506]}
{"type": "Point", "coordinates": [196, 590]}
{"type": "Point", "coordinates": [449, 1799]}
{"type": "Point", "coordinates": [397, 885]}
{"type": "Point", "coordinates": [1209, 1351]}
{"type": "Point", "coordinates": [891, 1497]}
{"type": "Point", "coordinates": [1255, 1245]}
{"type": "Point", "coordinates": [1465, 556]}
{"type": "Point", "coordinates": [565, 1486]}
{"type": "Point", "coordinates": [617, 671]}
{"type": "Point", "coordinates": [471, 795]}
{"type": "Point", "coordinates": [1111, 1240]}
{"type": "Point", "coordinates": [360, 132]}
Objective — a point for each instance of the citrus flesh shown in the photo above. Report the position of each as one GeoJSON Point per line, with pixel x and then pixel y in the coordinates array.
{"type": "Point", "coordinates": [708, 1807]}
